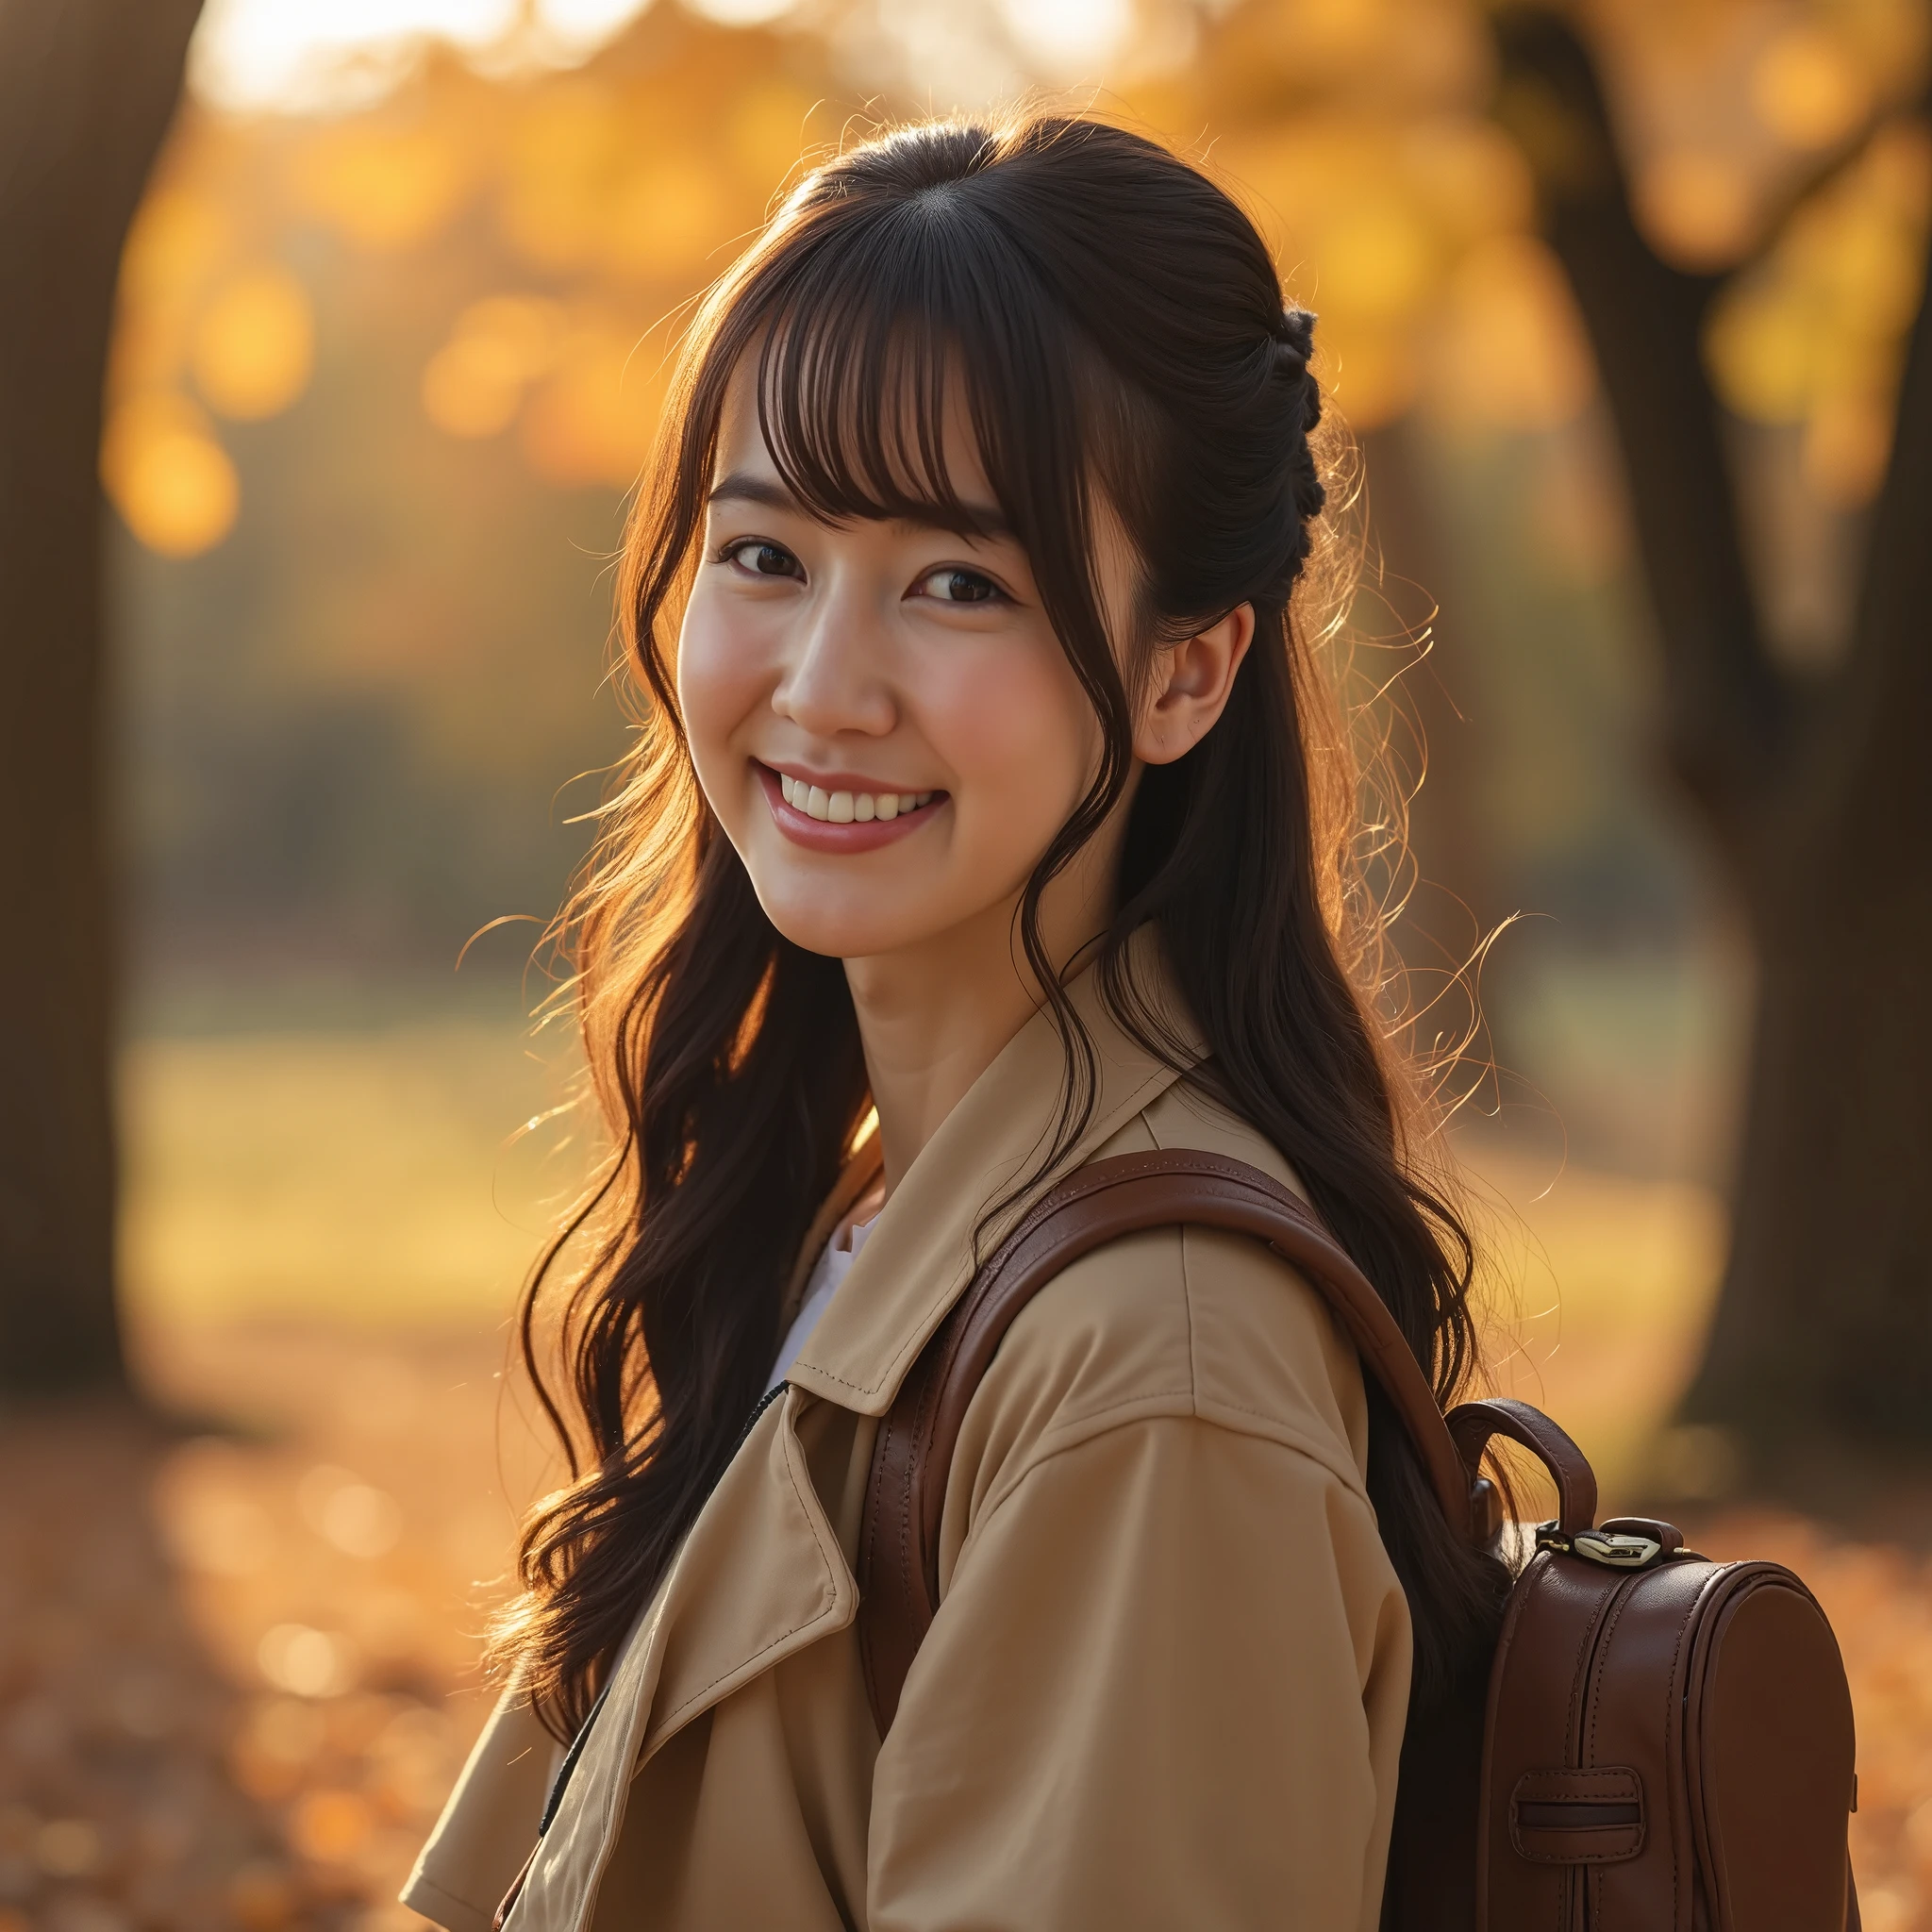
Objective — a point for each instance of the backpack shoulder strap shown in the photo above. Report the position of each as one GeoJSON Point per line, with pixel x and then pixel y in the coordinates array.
{"type": "Point", "coordinates": [898, 1551]}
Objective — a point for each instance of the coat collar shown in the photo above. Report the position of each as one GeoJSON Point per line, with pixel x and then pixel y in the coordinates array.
{"type": "Point", "coordinates": [918, 1258]}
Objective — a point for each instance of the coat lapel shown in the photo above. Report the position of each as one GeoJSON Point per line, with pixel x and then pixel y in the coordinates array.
{"type": "Point", "coordinates": [759, 1577]}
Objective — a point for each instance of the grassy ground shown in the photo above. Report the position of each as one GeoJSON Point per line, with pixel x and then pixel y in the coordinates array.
{"type": "Point", "coordinates": [237, 1699]}
{"type": "Point", "coordinates": [376, 1174]}
{"type": "Point", "coordinates": [381, 1176]}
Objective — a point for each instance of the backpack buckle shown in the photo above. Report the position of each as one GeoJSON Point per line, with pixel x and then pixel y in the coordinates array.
{"type": "Point", "coordinates": [1615, 1549]}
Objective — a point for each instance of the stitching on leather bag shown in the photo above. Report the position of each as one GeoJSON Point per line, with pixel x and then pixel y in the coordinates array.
{"type": "Point", "coordinates": [1576, 1675]}
{"type": "Point", "coordinates": [880, 1474]}
{"type": "Point", "coordinates": [1564, 1887]}
{"type": "Point", "coordinates": [1594, 1862]}
{"type": "Point", "coordinates": [1618, 1607]}
{"type": "Point", "coordinates": [1611, 1783]}
{"type": "Point", "coordinates": [924, 1419]}
{"type": "Point", "coordinates": [1593, 1877]}
{"type": "Point", "coordinates": [1676, 1651]}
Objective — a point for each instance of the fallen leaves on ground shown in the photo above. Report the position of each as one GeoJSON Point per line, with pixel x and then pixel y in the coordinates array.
{"type": "Point", "coordinates": [238, 1670]}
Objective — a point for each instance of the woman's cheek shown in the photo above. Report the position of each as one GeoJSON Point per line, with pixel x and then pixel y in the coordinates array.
{"type": "Point", "coordinates": [718, 686]}
{"type": "Point", "coordinates": [1015, 735]}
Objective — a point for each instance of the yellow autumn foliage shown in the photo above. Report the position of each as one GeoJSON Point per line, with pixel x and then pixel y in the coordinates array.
{"type": "Point", "coordinates": [574, 215]}
{"type": "Point", "coordinates": [1814, 336]}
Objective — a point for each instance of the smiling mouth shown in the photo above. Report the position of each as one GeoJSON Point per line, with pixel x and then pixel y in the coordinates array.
{"type": "Point", "coordinates": [850, 808]}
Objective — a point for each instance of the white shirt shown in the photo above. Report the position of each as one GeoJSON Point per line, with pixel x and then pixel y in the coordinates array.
{"type": "Point", "coordinates": [834, 1263]}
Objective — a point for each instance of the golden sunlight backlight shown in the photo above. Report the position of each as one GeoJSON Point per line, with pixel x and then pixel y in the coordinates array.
{"type": "Point", "coordinates": [544, 200]}
{"type": "Point", "coordinates": [1069, 35]}
{"type": "Point", "coordinates": [317, 55]}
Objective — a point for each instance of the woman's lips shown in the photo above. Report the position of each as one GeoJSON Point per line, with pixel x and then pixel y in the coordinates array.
{"type": "Point", "coordinates": [822, 835]}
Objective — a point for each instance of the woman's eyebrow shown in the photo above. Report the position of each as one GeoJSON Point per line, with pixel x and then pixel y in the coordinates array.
{"type": "Point", "coordinates": [983, 520]}
{"type": "Point", "coordinates": [740, 487]}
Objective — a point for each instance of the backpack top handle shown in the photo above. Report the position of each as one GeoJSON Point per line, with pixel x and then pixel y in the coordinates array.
{"type": "Point", "coordinates": [899, 1537]}
{"type": "Point", "coordinates": [1472, 1423]}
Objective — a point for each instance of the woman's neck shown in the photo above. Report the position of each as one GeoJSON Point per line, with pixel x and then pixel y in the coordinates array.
{"type": "Point", "coordinates": [931, 1020]}
{"type": "Point", "coordinates": [932, 1017]}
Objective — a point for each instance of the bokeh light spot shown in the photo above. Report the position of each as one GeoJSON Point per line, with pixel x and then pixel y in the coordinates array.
{"type": "Point", "coordinates": [588, 23]}
{"type": "Point", "coordinates": [171, 480]}
{"type": "Point", "coordinates": [1807, 89]}
{"type": "Point", "coordinates": [1696, 207]}
{"type": "Point", "coordinates": [1847, 445]}
{"type": "Point", "coordinates": [68, 1847]}
{"type": "Point", "coordinates": [330, 1826]}
{"type": "Point", "coordinates": [1764, 355]}
{"type": "Point", "coordinates": [1069, 34]}
{"type": "Point", "coordinates": [255, 345]}
{"type": "Point", "coordinates": [384, 187]}
{"type": "Point", "coordinates": [741, 12]}
{"type": "Point", "coordinates": [473, 385]}
{"type": "Point", "coordinates": [1512, 353]}
{"type": "Point", "coordinates": [593, 420]}
{"type": "Point", "coordinates": [1380, 259]}
{"type": "Point", "coordinates": [306, 1662]}
{"type": "Point", "coordinates": [305, 55]}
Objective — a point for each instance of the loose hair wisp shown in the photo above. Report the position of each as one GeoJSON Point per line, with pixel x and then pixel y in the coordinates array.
{"type": "Point", "coordinates": [1117, 331]}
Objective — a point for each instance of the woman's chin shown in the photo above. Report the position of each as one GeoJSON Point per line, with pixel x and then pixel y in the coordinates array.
{"type": "Point", "coordinates": [845, 933]}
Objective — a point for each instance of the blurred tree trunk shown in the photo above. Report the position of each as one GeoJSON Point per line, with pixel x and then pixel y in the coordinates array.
{"type": "Point", "coordinates": [87, 87]}
{"type": "Point", "coordinates": [1819, 795]}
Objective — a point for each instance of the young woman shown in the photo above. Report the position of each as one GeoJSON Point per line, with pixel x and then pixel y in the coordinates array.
{"type": "Point", "coordinates": [986, 822]}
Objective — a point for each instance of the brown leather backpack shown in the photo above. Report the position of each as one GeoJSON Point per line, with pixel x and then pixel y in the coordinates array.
{"type": "Point", "coordinates": [1666, 1743]}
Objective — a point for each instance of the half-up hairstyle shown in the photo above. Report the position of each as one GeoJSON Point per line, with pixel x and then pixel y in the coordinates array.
{"type": "Point", "coordinates": [1118, 332]}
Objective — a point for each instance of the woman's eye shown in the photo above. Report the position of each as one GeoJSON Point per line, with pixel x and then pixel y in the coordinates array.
{"type": "Point", "coordinates": [764, 559]}
{"type": "Point", "coordinates": [953, 585]}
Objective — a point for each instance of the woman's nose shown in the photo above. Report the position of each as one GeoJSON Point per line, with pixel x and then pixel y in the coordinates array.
{"type": "Point", "coordinates": [831, 681]}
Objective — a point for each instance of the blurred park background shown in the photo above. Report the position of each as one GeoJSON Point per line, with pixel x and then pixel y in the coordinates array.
{"type": "Point", "coordinates": [358, 310]}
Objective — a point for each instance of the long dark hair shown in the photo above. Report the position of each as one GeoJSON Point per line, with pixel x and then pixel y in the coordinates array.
{"type": "Point", "coordinates": [1117, 328]}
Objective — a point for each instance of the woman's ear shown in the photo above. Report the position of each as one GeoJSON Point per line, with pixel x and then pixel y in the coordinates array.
{"type": "Point", "coordinates": [1189, 686]}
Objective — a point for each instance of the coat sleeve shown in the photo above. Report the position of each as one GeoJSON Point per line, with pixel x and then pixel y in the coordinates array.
{"type": "Point", "coordinates": [488, 1823]}
{"type": "Point", "coordinates": [1165, 1687]}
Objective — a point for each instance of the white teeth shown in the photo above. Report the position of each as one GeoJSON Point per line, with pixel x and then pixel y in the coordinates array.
{"type": "Point", "coordinates": [848, 807]}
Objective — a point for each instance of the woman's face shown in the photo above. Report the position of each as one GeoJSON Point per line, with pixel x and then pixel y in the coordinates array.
{"type": "Point", "coordinates": [880, 713]}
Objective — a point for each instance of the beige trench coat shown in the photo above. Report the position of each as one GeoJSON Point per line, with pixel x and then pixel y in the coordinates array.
{"type": "Point", "coordinates": [1167, 1681]}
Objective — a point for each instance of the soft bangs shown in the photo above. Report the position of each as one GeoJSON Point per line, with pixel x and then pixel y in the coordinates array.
{"type": "Point", "coordinates": [895, 327]}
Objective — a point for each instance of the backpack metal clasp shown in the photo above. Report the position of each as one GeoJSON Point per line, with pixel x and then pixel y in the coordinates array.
{"type": "Point", "coordinates": [1614, 1549]}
